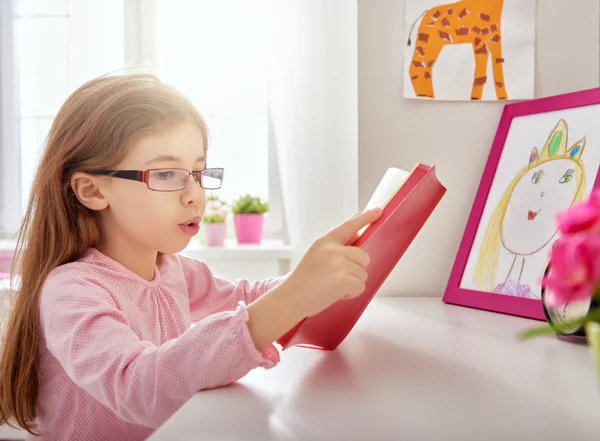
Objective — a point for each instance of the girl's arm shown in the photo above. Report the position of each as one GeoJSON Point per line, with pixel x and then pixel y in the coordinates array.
{"type": "Point", "coordinates": [210, 294]}
{"type": "Point", "coordinates": [140, 382]}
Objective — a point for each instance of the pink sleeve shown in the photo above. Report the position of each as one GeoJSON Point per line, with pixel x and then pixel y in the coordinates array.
{"type": "Point", "coordinates": [140, 382]}
{"type": "Point", "coordinates": [210, 294]}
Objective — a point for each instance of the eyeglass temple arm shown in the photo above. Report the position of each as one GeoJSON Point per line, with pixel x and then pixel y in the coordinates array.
{"type": "Point", "coordinates": [133, 175]}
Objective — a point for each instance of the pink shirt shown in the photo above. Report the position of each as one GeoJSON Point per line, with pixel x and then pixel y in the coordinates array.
{"type": "Point", "coordinates": [119, 354]}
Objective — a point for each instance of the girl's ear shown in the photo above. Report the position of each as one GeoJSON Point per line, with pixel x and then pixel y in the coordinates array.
{"type": "Point", "coordinates": [87, 190]}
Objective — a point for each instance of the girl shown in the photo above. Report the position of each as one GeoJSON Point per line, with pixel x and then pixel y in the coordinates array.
{"type": "Point", "coordinates": [99, 344]}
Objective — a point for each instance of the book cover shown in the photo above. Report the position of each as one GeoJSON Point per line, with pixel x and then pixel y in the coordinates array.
{"type": "Point", "coordinates": [407, 200]}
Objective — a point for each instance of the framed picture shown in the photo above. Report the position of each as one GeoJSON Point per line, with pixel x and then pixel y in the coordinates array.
{"type": "Point", "coordinates": [545, 157]}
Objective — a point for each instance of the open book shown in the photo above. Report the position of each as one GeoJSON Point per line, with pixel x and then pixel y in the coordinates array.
{"type": "Point", "coordinates": [407, 200]}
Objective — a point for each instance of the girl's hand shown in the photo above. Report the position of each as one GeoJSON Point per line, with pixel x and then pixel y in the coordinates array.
{"type": "Point", "coordinates": [330, 270]}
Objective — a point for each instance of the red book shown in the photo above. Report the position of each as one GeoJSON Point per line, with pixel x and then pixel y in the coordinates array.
{"type": "Point", "coordinates": [407, 200]}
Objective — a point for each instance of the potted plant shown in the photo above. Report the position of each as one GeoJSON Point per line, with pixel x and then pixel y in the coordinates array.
{"type": "Point", "coordinates": [214, 227]}
{"type": "Point", "coordinates": [248, 213]}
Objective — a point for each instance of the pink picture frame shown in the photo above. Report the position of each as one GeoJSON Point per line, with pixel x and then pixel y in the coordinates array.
{"type": "Point", "coordinates": [527, 114]}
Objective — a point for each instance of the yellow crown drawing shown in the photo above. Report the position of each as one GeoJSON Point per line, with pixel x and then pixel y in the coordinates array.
{"type": "Point", "coordinates": [556, 146]}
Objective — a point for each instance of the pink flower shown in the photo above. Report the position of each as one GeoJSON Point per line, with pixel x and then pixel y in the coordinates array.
{"type": "Point", "coordinates": [215, 210]}
{"type": "Point", "coordinates": [575, 268]}
{"type": "Point", "coordinates": [581, 217]}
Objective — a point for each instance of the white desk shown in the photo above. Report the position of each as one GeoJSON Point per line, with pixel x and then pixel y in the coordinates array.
{"type": "Point", "coordinates": [411, 369]}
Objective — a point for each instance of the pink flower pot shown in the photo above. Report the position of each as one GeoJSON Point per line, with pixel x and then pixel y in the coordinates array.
{"type": "Point", "coordinates": [214, 234]}
{"type": "Point", "coordinates": [249, 227]}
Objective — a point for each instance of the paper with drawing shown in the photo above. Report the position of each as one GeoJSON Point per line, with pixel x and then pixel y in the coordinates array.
{"type": "Point", "coordinates": [469, 50]}
{"type": "Point", "coordinates": [549, 161]}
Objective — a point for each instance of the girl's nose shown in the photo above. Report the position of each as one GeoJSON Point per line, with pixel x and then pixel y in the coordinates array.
{"type": "Point", "coordinates": [192, 193]}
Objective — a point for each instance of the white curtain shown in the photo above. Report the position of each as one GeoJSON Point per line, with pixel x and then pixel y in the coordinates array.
{"type": "Point", "coordinates": [314, 113]}
{"type": "Point", "coordinates": [10, 213]}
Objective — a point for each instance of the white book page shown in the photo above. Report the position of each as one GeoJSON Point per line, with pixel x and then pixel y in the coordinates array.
{"type": "Point", "coordinates": [391, 182]}
{"type": "Point", "coordinates": [388, 186]}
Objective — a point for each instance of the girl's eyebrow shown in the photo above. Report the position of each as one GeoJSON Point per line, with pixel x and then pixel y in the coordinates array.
{"type": "Point", "coordinates": [165, 158]}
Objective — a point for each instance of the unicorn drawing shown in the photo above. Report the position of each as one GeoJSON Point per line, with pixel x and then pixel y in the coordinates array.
{"type": "Point", "coordinates": [524, 221]}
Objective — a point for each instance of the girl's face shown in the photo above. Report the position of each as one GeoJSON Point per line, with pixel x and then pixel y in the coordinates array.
{"type": "Point", "coordinates": [530, 219]}
{"type": "Point", "coordinates": [147, 220]}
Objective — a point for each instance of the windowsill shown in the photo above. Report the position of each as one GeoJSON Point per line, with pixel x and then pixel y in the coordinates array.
{"type": "Point", "coordinates": [267, 250]}
{"type": "Point", "coordinates": [7, 248]}
{"type": "Point", "coordinates": [270, 258]}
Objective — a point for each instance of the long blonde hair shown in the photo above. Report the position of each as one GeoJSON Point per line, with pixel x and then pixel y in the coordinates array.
{"type": "Point", "coordinates": [93, 130]}
{"type": "Point", "coordinates": [484, 274]}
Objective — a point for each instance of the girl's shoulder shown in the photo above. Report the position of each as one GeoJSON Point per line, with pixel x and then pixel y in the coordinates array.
{"type": "Point", "coordinates": [97, 278]}
{"type": "Point", "coordinates": [88, 264]}
{"type": "Point", "coordinates": [87, 271]}
{"type": "Point", "coordinates": [97, 269]}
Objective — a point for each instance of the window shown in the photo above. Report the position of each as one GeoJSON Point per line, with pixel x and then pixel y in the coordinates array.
{"type": "Point", "coordinates": [9, 157]}
{"type": "Point", "coordinates": [214, 51]}
{"type": "Point", "coordinates": [59, 44]}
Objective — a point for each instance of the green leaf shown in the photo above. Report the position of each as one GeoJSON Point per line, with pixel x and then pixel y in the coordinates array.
{"type": "Point", "coordinates": [536, 332]}
{"type": "Point", "coordinates": [250, 204]}
{"type": "Point", "coordinates": [214, 197]}
{"type": "Point", "coordinates": [213, 219]}
{"type": "Point", "coordinates": [592, 316]}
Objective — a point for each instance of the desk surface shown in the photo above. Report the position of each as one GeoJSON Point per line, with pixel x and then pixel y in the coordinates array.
{"type": "Point", "coordinates": [411, 369]}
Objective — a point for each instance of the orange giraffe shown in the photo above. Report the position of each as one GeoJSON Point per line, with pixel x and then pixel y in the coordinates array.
{"type": "Point", "coordinates": [475, 22]}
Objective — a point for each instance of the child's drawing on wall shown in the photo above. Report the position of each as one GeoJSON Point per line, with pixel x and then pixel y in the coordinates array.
{"type": "Point", "coordinates": [523, 224]}
{"type": "Point", "coordinates": [469, 49]}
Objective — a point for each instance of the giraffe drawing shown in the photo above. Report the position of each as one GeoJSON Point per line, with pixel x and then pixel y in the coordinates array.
{"type": "Point", "coordinates": [474, 22]}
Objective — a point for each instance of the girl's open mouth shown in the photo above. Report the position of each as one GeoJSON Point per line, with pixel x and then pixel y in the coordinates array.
{"type": "Point", "coordinates": [190, 229]}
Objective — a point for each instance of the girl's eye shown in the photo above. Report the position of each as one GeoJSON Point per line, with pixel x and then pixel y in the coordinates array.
{"type": "Point", "coordinates": [535, 179]}
{"type": "Point", "coordinates": [565, 178]}
{"type": "Point", "coordinates": [164, 175]}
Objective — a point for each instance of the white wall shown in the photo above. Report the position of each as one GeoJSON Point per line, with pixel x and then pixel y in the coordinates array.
{"type": "Point", "coordinates": [314, 110]}
{"type": "Point", "coordinates": [397, 132]}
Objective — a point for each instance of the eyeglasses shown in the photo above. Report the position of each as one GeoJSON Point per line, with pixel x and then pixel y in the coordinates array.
{"type": "Point", "coordinates": [168, 179]}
